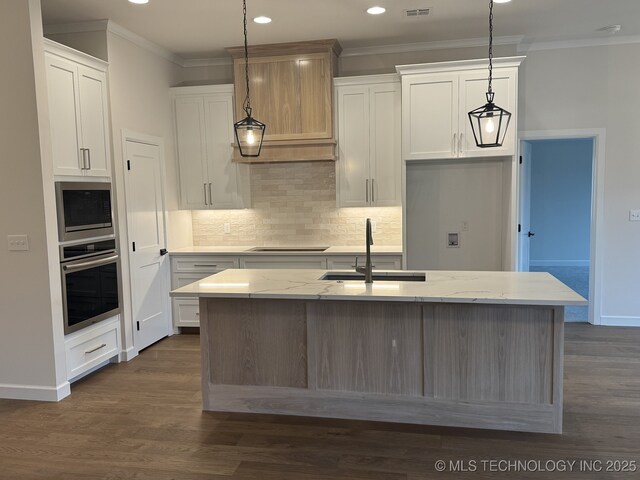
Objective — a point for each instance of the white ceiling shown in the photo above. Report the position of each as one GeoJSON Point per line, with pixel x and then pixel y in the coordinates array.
{"type": "Point", "coordinates": [202, 28]}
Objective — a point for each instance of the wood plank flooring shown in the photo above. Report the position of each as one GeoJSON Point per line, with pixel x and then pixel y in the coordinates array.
{"type": "Point", "coordinates": [142, 420]}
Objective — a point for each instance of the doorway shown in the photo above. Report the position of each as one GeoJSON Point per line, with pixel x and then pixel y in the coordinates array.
{"type": "Point", "coordinates": [557, 211]}
{"type": "Point", "coordinates": [144, 189]}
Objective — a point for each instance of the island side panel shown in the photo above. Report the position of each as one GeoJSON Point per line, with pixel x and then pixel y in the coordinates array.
{"type": "Point", "coordinates": [490, 353]}
{"type": "Point", "coordinates": [558, 368]}
{"type": "Point", "coordinates": [257, 342]}
{"type": "Point", "coordinates": [367, 347]}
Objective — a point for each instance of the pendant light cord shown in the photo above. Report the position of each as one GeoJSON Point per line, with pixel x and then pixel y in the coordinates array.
{"type": "Point", "coordinates": [490, 47]}
{"type": "Point", "coordinates": [247, 101]}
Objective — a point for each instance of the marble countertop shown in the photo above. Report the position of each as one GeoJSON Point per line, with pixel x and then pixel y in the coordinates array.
{"type": "Point", "coordinates": [246, 250]}
{"type": "Point", "coordinates": [514, 288]}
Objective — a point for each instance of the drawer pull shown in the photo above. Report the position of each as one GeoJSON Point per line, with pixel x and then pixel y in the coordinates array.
{"type": "Point", "coordinates": [96, 349]}
{"type": "Point", "coordinates": [205, 265]}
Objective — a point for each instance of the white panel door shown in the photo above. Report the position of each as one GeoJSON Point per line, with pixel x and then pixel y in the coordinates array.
{"type": "Point", "coordinates": [524, 252]}
{"type": "Point", "coordinates": [192, 153]}
{"type": "Point", "coordinates": [222, 184]}
{"type": "Point", "coordinates": [64, 112]}
{"type": "Point", "coordinates": [149, 267]}
{"type": "Point", "coordinates": [429, 116]}
{"type": "Point", "coordinates": [353, 146]}
{"type": "Point", "coordinates": [94, 120]}
{"type": "Point", "coordinates": [385, 148]}
{"type": "Point", "coordinates": [473, 90]}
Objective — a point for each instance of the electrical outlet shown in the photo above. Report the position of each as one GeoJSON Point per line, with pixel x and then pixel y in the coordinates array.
{"type": "Point", "coordinates": [18, 242]}
{"type": "Point", "coordinates": [227, 228]}
{"type": "Point", "coordinates": [634, 215]}
{"type": "Point", "coordinates": [465, 226]}
{"type": "Point", "coordinates": [374, 226]}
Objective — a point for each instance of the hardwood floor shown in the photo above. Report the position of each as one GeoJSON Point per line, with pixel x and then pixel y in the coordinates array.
{"type": "Point", "coordinates": [142, 420]}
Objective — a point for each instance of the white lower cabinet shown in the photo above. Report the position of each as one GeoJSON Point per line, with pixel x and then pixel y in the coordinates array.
{"type": "Point", "coordinates": [92, 346]}
{"type": "Point", "coordinates": [186, 269]}
{"type": "Point", "coordinates": [284, 262]}
{"type": "Point", "coordinates": [379, 262]}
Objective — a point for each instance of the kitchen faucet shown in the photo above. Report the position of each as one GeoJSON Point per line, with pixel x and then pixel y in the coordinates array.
{"type": "Point", "coordinates": [368, 268]}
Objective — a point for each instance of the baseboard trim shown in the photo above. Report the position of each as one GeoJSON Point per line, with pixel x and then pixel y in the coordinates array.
{"type": "Point", "coordinates": [559, 263]}
{"type": "Point", "coordinates": [128, 354]}
{"type": "Point", "coordinates": [610, 321]}
{"type": "Point", "coordinates": [35, 392]}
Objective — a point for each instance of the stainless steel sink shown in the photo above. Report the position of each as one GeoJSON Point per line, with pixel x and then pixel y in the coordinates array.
{"type": "Point", "coordinates": [380, 276]}
{"type": "Point", "coordinates": [288, 249]}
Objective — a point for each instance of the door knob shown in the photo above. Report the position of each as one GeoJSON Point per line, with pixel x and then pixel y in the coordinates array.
{"type": "Point", "coordinates": [531, 234]}
{"type": "Point", "coordinates": [163, 252]}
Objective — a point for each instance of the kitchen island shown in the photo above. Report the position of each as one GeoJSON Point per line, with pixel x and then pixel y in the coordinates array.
{"type": "Point", "coordinates": [464, 349]}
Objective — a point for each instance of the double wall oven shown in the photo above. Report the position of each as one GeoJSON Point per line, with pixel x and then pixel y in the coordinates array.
{"type": "Point", "coordinates": [89, 259]}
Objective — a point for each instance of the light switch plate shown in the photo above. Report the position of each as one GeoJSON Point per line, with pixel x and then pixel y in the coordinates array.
{"type": "Point", "coordinates": [18, 242]}
{"type": "Point", "coordinates": [634, 215]}
{"type": "Point", "coordinates": [374, 226]}
{"type": "Point", "coordinates": [227, 228]}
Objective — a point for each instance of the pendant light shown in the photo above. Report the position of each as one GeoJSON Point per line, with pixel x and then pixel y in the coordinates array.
{"type": "Point", "coordinates": [490, 122]}
{"type": "Point", "coordinates": [249, 131]}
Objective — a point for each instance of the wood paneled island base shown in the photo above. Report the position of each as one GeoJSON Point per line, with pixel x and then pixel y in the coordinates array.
{"type": "Point", "coordinates": [473, 365]}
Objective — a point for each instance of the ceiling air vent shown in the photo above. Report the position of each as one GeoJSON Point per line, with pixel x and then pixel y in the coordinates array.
{"type": "Point", "coordinates": [417, 12]}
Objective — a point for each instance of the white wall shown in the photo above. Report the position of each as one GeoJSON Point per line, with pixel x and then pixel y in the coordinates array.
{"type": "Point", "coordinates": [32, 363]}
{"type": "Point", "coordinates": [596, 87]}
{"type": "Point", "coordinates": [561, 178]}
{"type": "Point", "coordinates": [139, 84]}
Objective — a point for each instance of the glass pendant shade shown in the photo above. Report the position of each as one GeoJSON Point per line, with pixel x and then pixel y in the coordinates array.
{"type": "Point", "coordinates": [249, 135]}
{"type": "Point", "coordinates": [489, 124]}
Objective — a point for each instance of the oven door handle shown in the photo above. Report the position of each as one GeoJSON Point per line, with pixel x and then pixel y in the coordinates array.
{"type": "Point", "coordinates": [84, 265]}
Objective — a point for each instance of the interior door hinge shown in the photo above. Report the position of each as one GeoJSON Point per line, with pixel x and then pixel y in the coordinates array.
{"type": "Point", "coordinates": [520, 159]}
{"type": "Point", "coordinates": [138, 326]}
{"type": "Point", "coordinates": [519, 228]}
{"type": "Point", "coordinates": [133, 245]}
{"type": "Point", "coordinates": [129, 163]}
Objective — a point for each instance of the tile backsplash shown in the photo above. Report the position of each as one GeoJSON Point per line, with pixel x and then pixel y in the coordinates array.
{"type": "Point", "coordinates": [295, 204]}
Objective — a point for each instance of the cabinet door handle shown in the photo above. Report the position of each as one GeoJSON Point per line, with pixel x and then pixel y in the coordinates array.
{"type": "Point", "coordinates": [88, 159]}
{"type": "Point", "coordinates": [455, 144]}
{"type": "Point", "coordinates": [205, 193]}
{"type": "Point", "coordinates": [367, 189]}
{"type": "Point", "coordinates": [461, 144]}
{"type": "Point", "coordinates": [210, 196]}
{"type": "Point", "coordinates": [373, 190]}
{"type": "Point", "coordinates": [95, 349]}
{"type": "Point", "coordinates": [83, 153]}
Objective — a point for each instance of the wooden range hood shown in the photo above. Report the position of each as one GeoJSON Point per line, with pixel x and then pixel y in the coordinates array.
{"type": "Point", "coordinates": [292, 93]}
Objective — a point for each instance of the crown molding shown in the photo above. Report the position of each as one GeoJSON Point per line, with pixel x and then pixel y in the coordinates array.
{"type": "Point", "coordinates": [366, 79]}
{"type": "Point", "coordinates": [114, 28]}
{"type": "Point", "coordinates": [207, 62]}
{"type": "Point", "coordinates": [526, 47]}
{"type": "Point", "coordinates": [425, 46]}
{"type": "Point", "coordinates": [458, 65]}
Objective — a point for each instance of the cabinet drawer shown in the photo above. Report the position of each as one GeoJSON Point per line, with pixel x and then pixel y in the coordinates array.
{"type": "Point", "coordinates": [202, 263]}
{"type": "Point", "coordinates": [186, 312]}
{"type": "Point", "coordinates": [381, 262]}
{"type": "Point", "coordinates": [284, 262]}
{"type": "Point", "coordinates": [181, 279]}
{"type": "Point", "coordinates": [91, 349]}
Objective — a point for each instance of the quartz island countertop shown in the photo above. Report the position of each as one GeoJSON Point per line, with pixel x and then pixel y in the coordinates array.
{"type": "Point", "coordinates": [507, 288]}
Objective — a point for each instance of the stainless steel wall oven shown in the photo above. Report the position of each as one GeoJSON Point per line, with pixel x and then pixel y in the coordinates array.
{"type": "Point", "coordinates": [90, 273]}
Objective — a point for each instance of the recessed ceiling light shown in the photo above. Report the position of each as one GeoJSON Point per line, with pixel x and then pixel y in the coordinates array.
{"type": "Point", "coordinates": [262, 19]}
{"type": "Point", "coordinates": [501, 1]}
{"type": "Point", "coordinates": [611, 29]}
{"type": "Point", "coordinates": [376, 10]}
{"type": "Point", "coordinates": [139, 2]}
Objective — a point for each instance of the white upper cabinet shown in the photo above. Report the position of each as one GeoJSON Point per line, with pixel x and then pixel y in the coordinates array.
{"type": "Point", "coordinates": [209, 179]}
{"type": "Point", "coordinates": [368, 122]}
{"type": "Point", "coordinates": [78, 112]}
{"type": "Point", "coordinates": [436, 100]}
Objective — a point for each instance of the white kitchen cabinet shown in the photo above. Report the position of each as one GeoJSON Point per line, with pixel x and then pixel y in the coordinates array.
{"type": "Point", "coordinates": [436, 100]}
{"type": "Point", "coordinates": [209, 179]}
{"type": "Point", "coordinates": [379, 262]}
{"type": "Point", "coordinates": [90, 347]}
{"type": "Point", "coordinates": [368, 169]}
{"type": "Point", "coordinates": [284, 261]}
{"type": "Point", "coordinates": [78, 112]}
{"type": "Point", "coordinates": [186, 269]}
